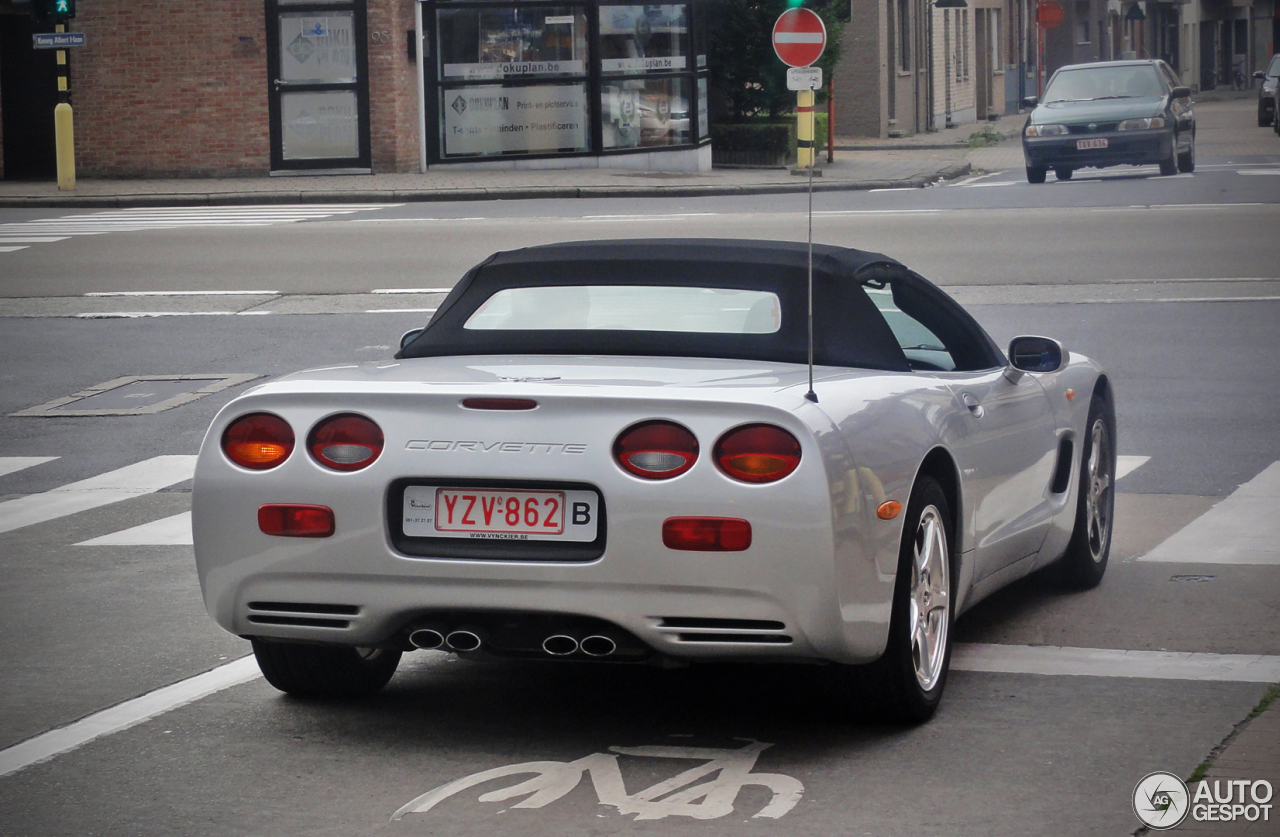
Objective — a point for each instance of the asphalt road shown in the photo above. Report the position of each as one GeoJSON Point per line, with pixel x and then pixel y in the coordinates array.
{"type": "Point", "coordinates": [89, 626]}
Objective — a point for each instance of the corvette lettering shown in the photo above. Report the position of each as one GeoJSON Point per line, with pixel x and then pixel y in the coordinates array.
{"type": "Point", "coordinates": [494, 447]}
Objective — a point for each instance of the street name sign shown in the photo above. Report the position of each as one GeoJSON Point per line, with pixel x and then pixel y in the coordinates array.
{"type": "Point", "coordinates": [58, 40]}
{"type": "Point", "coordinates": [799, 37]}
{"type": "Point", "coordinates": [804, 78]}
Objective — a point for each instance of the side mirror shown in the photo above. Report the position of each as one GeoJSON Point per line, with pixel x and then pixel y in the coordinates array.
{"type": "Point", "coordinates": [1030, 101]}
{"type": "Point", "coordinates": [1036, 354]}
{"type": "Point", "coordinates": [409, 336]}
{"type": "Point", "coordinates": [1259, 74]}
{"type": "Point", "coordinates": [1181, 93]}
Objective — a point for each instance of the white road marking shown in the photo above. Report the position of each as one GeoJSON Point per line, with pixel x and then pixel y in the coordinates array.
{"type": "Point", "coordinates": [10, 464]}
{"type": "Point", "coordinates": [1242, 529]}
{"type": "Point", "coordinates": [122, 716]}
{"type": "Point", "coordinates": [1006, 659]}
{"type": "Point", "coordinates": [400, 310]}
{"type": "Point", "coordinates": [169, 531]}
{"type": "Point", "coordinates": [1106, 662]}
{"type": "Point", "coordinates": [1257, 171]}
{"type": "Point", "coordinates": [135, 220]}
{"type": "Point", "coordinates": [183, 293]}
{"type": "Point", "coordinates": [134, 480]}
{"type": "Point", "coordinates": [27, 239]}
{"type": "Point", "coordinates": [687, 794]}
{"type": "Point", "coordinates": [136, 315]}
{"type": "Point", "coordinates": [1126, 465]}
{"type": "Point", "coordinates": [411, 290]}
{"type": "Point", "coordinates": [13, 249]}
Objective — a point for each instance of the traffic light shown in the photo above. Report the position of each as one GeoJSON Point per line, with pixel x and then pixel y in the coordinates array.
{"type": "Point", "coordinates": [57, 11]}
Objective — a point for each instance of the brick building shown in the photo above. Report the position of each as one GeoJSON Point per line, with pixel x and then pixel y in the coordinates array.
{"type": "Point", "coordinates": [257, 87]}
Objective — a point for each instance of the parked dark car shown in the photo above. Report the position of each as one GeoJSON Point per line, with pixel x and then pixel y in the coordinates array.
{"type": "Point", "coordinates": [1267, 92]}
{"type": "Point", "coordinates": [1107, 114]}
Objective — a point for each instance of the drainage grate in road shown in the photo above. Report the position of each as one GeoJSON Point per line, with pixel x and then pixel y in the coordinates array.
{"type": "Point", "coordinates": [137, 395]}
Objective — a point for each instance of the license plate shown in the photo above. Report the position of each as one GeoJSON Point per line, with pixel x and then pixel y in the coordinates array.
{"type": "Point", "coordinates": [1101, 142]}
{"type": "Point", "coordinates": [497, 514]}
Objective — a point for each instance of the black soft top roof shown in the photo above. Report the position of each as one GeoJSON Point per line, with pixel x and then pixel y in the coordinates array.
{"type": "Point", "coordinates": [848, 329]}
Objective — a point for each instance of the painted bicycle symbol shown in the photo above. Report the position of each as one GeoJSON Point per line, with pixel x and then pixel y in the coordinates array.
{"type": "Point", "coordinates": [683, 795]}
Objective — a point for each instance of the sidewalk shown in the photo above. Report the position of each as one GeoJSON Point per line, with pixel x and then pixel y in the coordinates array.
{"type": "Point", "coordinates": [910, 162]}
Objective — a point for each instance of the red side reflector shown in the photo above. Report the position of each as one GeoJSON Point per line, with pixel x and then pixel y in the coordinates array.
{"type": "Point", "coordinates": [706, 534]}
{"type": "Point", "coordinates": [499, 403]}
{"type": "Point", "coordinates": [292, 520]}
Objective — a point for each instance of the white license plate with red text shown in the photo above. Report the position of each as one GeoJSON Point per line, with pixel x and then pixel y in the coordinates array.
{"type": "Point", "coordinates": [1100, 142]}
{"type": "Point", "coordinates": [498, 514]}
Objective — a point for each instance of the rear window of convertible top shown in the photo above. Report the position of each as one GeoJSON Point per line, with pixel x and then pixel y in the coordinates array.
{"type": "Point", "coordinates": [629, 308]}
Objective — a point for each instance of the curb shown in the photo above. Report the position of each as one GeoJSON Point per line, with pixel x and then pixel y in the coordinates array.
{"type": "Point", "coordinates": [949, 172]}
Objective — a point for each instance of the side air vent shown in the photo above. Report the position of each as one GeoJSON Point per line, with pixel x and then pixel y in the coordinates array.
{"type": "Point", "coordinates": [1062, 473]}
{"type": "Point", "coordinates": [738, 631]}
{"type": "Point", "coordinates": [769, 639]}
{"type": "Point", "coordinates": [696, 622]}
{"type": "Point", "coordinates": [301, 614]}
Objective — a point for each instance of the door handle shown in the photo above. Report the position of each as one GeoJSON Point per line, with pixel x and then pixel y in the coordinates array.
{"type": "Point", "coordinates": [975, 406]}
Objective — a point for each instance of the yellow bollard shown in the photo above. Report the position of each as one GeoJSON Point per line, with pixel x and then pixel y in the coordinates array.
{"type": "Point", "coordinates": [65, 142]}
{"type": "Point", "coordinates": [804, 129]}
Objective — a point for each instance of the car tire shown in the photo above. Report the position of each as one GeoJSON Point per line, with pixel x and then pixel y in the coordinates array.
{"type": "Point", "coordinates": [1187, 161]}
{"type": "Point", "coordinates": [1063, 172]}
{"type": "Point", "coordinates": [905, 685]}
{"type": "Point", "coordinates": [1170, 165]}
{"type": "Point", "coordinates": [1036, 174]}
{"type": "Point", "coordinates": [1085, 560]}
{"type": "Point", "coordinates": [335, 671]}
{"type": "Point", "coordinates": [1264, 118]}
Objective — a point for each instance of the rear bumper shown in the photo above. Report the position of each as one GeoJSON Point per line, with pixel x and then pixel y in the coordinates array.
{"type": "Point", "coordinates": [1123, 148]}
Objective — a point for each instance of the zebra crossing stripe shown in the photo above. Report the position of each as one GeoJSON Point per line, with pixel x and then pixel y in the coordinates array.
{"type": "Point", "coordinates": [10, 464]}
{"type": "Point", "coordinates": [1242, 529]}
{"type": "Point", "coordinates": [144, 477]}
{"type": "Point", "coordinates": [168, 531]}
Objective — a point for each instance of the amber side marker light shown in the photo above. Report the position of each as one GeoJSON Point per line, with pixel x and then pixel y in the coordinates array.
{"type": "Point", "coordinates": [706, 534]}
{"type": "Point", "coordinates": [1071, 395]}
{"type": "Point", "coordinates": [258, 441]}
{"type": "Point", "coordinates": [889, 510]}
{"type": "Point", "coordinates": [291, 520]}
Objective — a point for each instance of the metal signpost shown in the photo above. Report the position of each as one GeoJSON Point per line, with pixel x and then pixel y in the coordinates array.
{"type": "Point", "coordinates": [799, 37]}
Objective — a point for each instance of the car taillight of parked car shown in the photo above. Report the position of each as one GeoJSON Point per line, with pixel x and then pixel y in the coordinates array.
{"type": "Point", "coordinates": [345, 442]}
{"type": "Point", "coordinates": [656, 450]}
{"type": "Point", "coordinates": [757, 453]}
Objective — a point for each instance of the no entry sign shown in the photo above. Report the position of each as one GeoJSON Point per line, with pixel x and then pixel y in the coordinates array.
{"type": "Point", "coordinates": [799, 36]}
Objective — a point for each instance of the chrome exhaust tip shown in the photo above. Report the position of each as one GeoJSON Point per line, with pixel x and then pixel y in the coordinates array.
{"type": "Point", "coordinates": [598, 646]}
{"type": "Point", "coordinates": [463, 640]}
{"type": "Point", "coordinates": [559, 645]}
{"type": "Point", "coordinates": [426, 639]}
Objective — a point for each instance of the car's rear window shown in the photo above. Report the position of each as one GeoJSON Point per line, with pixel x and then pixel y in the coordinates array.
{"type": "Point", "coordinates": [629, 308]}
{"type": "Point", "coordinates": [1122, 82]}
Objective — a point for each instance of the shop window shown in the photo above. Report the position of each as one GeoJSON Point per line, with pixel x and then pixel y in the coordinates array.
{"type": "Point", "coordinates": [515, 119]}
{"type": "Point", "coordinates": [645, 113]}
{"type": "Point", "coordinates": [505, 43]}
{"type": "Point", "coordinates": [641, 39]}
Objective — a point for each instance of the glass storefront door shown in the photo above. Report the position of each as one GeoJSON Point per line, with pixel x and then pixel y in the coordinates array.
{"type": "Point", "coordinates": [319, 101]}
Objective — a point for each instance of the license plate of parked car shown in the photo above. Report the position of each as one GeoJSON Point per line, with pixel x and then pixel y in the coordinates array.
{"type": "Point", "coordinates": [432, 511]}
{"type": "Point", "coordinates": [1091, 143]}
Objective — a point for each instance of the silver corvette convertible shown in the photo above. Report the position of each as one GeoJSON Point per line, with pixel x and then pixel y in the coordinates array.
{"type": "Point", "coordinates": [656, 451]}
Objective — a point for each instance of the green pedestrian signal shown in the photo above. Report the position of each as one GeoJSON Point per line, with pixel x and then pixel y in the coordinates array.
{"type": "Point", "coordinates": [53, 10]}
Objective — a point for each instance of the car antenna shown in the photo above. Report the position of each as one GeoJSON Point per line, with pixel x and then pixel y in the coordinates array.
{"type": "Point", "coordinates": [811, 395]}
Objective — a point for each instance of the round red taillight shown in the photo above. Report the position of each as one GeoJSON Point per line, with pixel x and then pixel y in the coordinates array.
{"type": "Point", "coordinates": [258, 441]}
{"type": "Point", "coordinates": [757, 453]}
{"type": "Point", "coordinates": [656, 450]}
{"type": "Point", "coordinates": [345, 442]}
